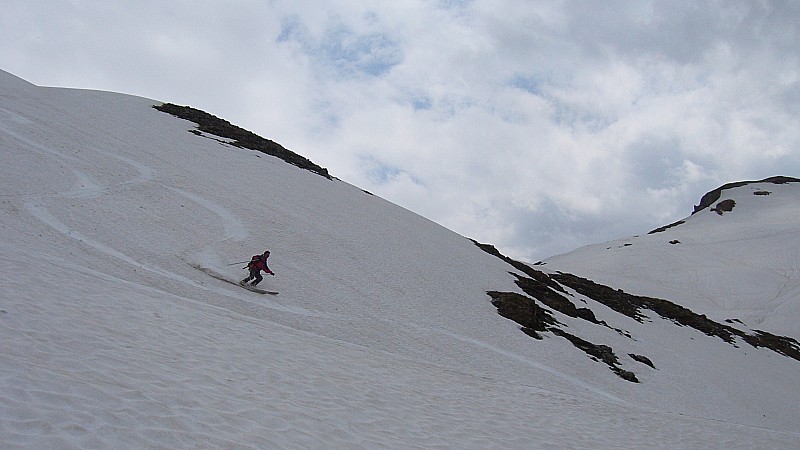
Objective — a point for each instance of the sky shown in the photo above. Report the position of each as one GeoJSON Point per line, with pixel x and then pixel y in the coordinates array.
{"type": "Point", "coordinates": [537, 126]}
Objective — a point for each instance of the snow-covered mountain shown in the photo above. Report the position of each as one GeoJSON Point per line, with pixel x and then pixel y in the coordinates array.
{"type": "Point", "coordinates": [388, 330]}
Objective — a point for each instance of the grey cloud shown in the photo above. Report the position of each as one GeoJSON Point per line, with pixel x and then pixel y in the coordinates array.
{"type": "Point", "coordinates": [683, 31]}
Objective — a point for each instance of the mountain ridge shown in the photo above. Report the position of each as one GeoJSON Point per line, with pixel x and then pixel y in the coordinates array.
{"type": "Point", "coordinates": [711, 196]}
{"type": "Point", "coordinates": [208, 123]}
{"type": "Point", "coordinates": [385, 332]}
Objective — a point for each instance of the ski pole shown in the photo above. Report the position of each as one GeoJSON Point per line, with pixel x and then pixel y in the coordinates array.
{"type": "Point", "coordinates": [237, 263]}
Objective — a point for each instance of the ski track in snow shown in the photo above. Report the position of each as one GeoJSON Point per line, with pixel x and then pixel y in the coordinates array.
{"type": "Point", "coordinates": [44, 215]}
{"type": "Point", "coordinates": [12, 116]}
{"type": "Point", "coordinates": [527, 361]}
{"type": "Point", "coordinates": [233, 227]}
{"type": "Point", "coordinates": [145, 172]}
{"type": "Point", "coordinates": [89, 188]}
{"type": "Point", "coordinates": [33, 145]}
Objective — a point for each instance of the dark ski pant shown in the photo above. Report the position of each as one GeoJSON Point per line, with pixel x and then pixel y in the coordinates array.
{"type": "Point", "coordinates": [255, 274]}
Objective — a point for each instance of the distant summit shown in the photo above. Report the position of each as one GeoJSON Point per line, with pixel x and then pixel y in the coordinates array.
{"type": "Point", "coordinates": [710, 197]}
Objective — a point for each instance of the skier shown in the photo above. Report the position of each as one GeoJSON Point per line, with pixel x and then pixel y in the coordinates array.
{"type": "Point", "coordinates": [256, 265]}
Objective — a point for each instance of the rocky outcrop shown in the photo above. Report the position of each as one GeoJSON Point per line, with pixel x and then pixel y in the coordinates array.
{"type": "Point", "coordinates": [551, 291]}
{"type": "Point", "coordinates": [710, 197]}
{"type": "Point", "coordinates": [667, 227]}
{"type": "Point", "coordinates": [534, 319]}
{"type": "Point", "coordinates": [724, 206]}
{"type": "Point", "coordinates": [602, 353]}
{"type": "Point", "coordinates": [240, 137]}
{"type": "Point", "coordinates": [524, 311]}
{"type": "Point", "coordinates": [632, 306]}
{"type": "Point", "coordinates": [642, 359]}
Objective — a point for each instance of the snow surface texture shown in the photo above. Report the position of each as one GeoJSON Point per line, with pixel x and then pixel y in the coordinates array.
{"type": "Point", "coordinates": [383, 334]}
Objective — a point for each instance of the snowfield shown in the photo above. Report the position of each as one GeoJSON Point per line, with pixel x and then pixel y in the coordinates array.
{"type": "Point", "coordinates": [382, 335]}
{"type": "Point", "coordinates": [742, 264]}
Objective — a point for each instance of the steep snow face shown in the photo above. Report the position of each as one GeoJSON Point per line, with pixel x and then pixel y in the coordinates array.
{"type": "Point", "coordinates": [382, 334]}
{"type": "Point", "coordinates": [740, 263]}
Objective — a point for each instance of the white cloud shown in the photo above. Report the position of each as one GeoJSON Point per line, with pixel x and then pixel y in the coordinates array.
{"type": "Point", "coordinates": [537, 127]}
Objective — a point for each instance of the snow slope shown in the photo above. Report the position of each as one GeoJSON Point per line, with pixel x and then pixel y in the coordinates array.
{"type": "Point", "coordinates": [383, 334]}
{"type": "Point", "coordinates": [743, 264]}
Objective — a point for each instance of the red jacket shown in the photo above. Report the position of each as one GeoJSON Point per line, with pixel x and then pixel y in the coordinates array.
{"type": "Point", "coordinates": [259, 262]}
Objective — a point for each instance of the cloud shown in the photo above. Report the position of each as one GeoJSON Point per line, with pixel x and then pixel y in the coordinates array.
{"type": "Point", "coordinates": [342, 50]}
{"type": "Point", "coordinates": [538, 127]}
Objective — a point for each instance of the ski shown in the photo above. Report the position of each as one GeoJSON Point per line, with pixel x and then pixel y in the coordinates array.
{"type": "Point", "coordinates": [255, 289]}
{"type": "Point", "coordinates": [221, 277]}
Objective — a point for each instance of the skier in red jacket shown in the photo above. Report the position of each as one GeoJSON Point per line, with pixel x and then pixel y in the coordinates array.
{"type": "Point", "coordinates": [256, 265]}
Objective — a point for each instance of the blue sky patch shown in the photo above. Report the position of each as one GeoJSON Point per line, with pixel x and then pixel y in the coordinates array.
{"type": "Point", "coordinates": [344, 51]}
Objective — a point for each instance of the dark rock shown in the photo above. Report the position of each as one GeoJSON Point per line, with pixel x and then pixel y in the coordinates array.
{"type": "Point", "coordinates": [617, 300]}
{"type": "Point", "coordinates": [554, 300]}
{"type": "Point", "coordinates": [601, 353]}
{"type": "Point", "coordinates": [666, 227]}
{"type": "Point", "coordinates": [625, 374]}
{"type": "Point", "coordinates": [786, 346]}
{"type": "Point", "coordinates": [524, 311]}
{"type": "Point", "coordinates": [522, 267]}
{"type": "Point", "coordinates": [724, 206]}
{"type": "Point", "coordinates": [242, 138]}
{"type": "Point", "coordinates": [549, 289]}
{"type": "Point", "coordinates": [642, 359]}
{"type": "Point", "coordinates": [631, 305]}
{"type": "Point", "coordinates": [710, 197]}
